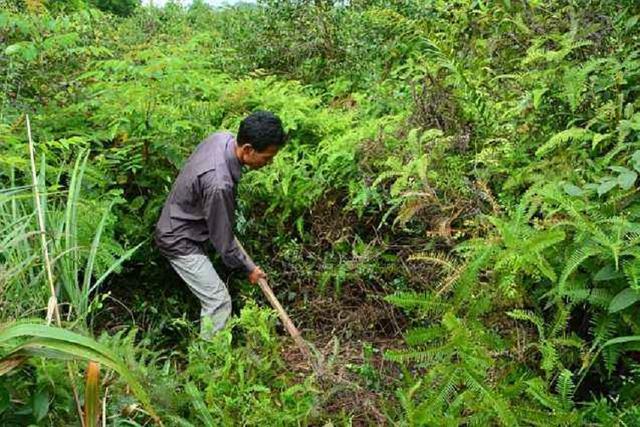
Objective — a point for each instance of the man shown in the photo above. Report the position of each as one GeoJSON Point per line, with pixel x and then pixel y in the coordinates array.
{"type": "Point", "coordinates": [201, 207]}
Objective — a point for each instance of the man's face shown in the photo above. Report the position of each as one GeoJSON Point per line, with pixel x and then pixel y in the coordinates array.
{"type": "Point", "coordinates": [257, 159]}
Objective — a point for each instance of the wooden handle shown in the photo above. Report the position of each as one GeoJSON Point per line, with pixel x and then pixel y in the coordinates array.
{"type": "Point", "coordinates": [286, 320]}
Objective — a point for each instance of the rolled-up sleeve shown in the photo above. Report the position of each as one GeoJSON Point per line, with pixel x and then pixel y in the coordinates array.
{"type": "Point", "coordinates": [219, 210]}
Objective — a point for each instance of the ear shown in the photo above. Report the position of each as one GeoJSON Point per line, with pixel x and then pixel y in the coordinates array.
{"type": "Point", "coordinates": [247, 149]}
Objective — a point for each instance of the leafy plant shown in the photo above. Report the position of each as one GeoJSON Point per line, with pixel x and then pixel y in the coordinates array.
{"type": "Point", "coordinates": [53, 342]}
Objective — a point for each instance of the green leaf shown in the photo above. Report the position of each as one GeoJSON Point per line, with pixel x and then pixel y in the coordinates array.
{"type": "Point", "coordinates": [573, 190]}
{"type": "Point", "coordinates": [201, 408]}
{"type": "Point", "coordinates": [575, 134]}
{"type": "Point", "coordinates": [606, 186]}
{"type": "Point", "coordinates": [565, 386]}
{"type": "Point", "coordinates": [635, 159]}
{"type": "Point", "coordinates": [621, 340]}
{"type": "Point", "coordinates": [5, 399]}
{"type": "Point", "coordinates": [61, 41]}
{"type": "Point", "coordinates": [608, 272]}
{"type": "Point", "coordinates": [26, 50]}
{"type": "Point", "coordinates": [137, 203]}
{"type": "Point", "coordinates": [40, 405]}
{"type": "Point", "coordinates": [537, 97]}
{"type": "Point", "coordinates": [619, 169]}
{"type": "Point", "coordinates": [56, 342]}
{"type": "Point", "coordinates": [12, 49]}
{"type": "Point", "coordinates": [598, 138]}
{"type": "Point", "coordinates": [115, 266]}
{"type": "Point", "coordinates": [627, 179]}
{"type": "Point", "coordinates": [624, 299]}
{"type": "Point", "coordinates": [88, 271]}
{"type": "Point", "coordinates": [628, 110]}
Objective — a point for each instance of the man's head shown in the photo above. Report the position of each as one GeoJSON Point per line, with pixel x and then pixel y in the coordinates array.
{"type": "Point", "coordinates": [259, 138]}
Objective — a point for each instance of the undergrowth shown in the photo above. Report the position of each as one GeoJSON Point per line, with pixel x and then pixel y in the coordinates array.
{"type": "Point", "coordinates": [456, 205]}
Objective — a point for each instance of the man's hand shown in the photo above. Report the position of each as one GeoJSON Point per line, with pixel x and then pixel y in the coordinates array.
{"type": "Point", "coordinates": [256, 275]}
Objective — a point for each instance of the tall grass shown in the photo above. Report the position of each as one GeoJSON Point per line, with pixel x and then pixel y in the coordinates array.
{"type": "Point", "coordinates": [43, 243]}
{"type": "Point", "coordinates": [74, 253]}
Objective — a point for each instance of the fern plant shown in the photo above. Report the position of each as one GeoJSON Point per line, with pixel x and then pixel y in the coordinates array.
{"type": "Point", "coordinates": [552, 339]}
{"type": "Point", "coordinates": [515, 249]}
{"type": "Point", "coordinates": [600, 268]}
{"type": "Point", "coordinates": [456, 387]}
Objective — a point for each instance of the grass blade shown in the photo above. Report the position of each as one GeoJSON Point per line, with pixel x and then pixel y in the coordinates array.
{"type": "Point", "coordinates": [199, 405]}
{"type": "Point", "coordinates": [88, 271]}
{"type": "Point", "coordinates": [114, 266]}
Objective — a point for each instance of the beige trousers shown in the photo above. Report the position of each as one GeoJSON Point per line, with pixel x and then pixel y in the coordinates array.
{"type": "Point", "coordinates": [203, 281]}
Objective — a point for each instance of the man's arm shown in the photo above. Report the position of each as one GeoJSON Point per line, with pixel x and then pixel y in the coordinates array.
{"type": "Point", "coordinates": [257, 272]}
{"type": "Point", "coordinates": [219, 209]}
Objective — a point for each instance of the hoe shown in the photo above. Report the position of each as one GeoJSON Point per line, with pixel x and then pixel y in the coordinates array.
{"type": "Point", "coordinates": [303, 345]}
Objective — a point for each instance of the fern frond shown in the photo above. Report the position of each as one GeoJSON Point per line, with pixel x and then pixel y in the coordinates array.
{"type": "Point", "coordinates": [575, 79]}
{"type": "Point", "coordinates": [421, 336]}
{"type": "Point", "coordinates": [561, 320]}
{"type": "Point", "coordinates": [537, 389]}
{"type": "Point", "coordinates": [435, 258]}
{"type": "Point", "coordinates": [570, 341]}
{"type": "Point", "coordinates": [575, 133]}
{"type": "Point", "coordinates": [598, 297]}
{"type": "Point", "coordinates": [479, 260]}
{"type": "Point", "coordinates": [565, 387]}
{"type": "Point", "coordinates": [426, 302]}
{"type": "Point", "coordinates": [441, 395]}
{"type": "Point", "coordinates": [543, 239]}
{"type": "Point", "coordinates": [545, 268]}
{"type": "Point", "coordinates": [576, 259]}
{"type": "Point", "coordinates": [550, 358]}
{"type": "Point", "coordinates": [611, 355]}
{"type": "Point", "coordinates": [631, 271]}
{"type": "Point", "coordinates": [603, 328]}
{"type": "Point", "coordinates": [420, 356]}
{"type": "Point", "coordinates": [449, 388]}
{"type": "Point", "coordinates": [492, 398]}
{"type": "Point", "coordinates": [450, 280]}
{"type": "Point", "coordinates": [528, 316]}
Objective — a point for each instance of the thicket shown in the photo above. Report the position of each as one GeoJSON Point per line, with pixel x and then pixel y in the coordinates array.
{"type": "Point", "coordinates": [457, 207]}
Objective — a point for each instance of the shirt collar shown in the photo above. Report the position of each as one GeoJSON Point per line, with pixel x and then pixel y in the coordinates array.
{"type": "Point", "coordinates": [232, 161]}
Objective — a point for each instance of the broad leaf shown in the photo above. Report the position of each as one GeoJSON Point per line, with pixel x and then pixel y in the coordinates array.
{"type": "Point", "coordinates": [606, 186]}
{"type": "Point", "coordinates": [40, 405]}
{"type": "Point", "coordinates": [635, 159]}
{"type": "Point", "coordinates": [56, 342]}
{"type": "Point", "coordinates": [627, 179]}
{"type": "Point", "coordinates": [573, 190]}
{"type": "Point", "coordinates": [623, 300]}
{"type": "Point", "coordinates": [608, 272]}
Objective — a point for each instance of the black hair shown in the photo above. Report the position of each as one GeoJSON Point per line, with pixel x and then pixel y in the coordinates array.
{"type": "Point", "coordinates": [261, 129]}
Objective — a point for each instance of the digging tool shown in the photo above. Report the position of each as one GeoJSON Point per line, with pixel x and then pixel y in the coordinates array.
{"type": "Point", "coordinates": [290, 327]}
{"type": "Point", "coordinates": [304, 347]}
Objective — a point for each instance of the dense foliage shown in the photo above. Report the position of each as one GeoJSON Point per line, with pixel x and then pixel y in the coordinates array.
{"type": "Point", "coordinates": [457, 207]}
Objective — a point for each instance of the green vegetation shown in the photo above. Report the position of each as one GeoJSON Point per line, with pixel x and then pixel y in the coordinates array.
{"type": "Point", "coordinates": [455, 222]}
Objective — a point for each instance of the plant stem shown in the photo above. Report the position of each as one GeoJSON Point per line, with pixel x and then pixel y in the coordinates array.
{"type": "Point", "coordinates": [53, 304]}
{"type": "Point", "coordinates": [52, 307]}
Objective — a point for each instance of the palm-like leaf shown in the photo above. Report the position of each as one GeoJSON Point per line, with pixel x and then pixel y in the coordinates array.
{"type": "Point", "coordinates": [53, 342]}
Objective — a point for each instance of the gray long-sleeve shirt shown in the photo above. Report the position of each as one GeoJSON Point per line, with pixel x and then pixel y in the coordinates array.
{"type": "Point", "coordinates": [201, 205]}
